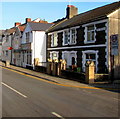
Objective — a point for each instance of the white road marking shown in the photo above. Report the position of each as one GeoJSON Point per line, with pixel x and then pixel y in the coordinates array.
{"type": "Point", "coordinates": [14, 90]}
{"type": "Point", "coordinates": [57, 115]}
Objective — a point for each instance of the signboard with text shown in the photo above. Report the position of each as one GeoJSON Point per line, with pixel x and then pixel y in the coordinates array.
{"type": "Point", "coordinates": [114, 44]}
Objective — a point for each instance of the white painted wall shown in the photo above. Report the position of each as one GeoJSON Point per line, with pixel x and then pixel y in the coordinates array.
{"type": "Point", "coordinates": [39, 46]}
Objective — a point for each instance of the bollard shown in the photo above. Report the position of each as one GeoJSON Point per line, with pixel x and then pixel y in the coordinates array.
{"type": "Point", "coordinates": [49, 66]}
{"type": "Point", "coordinates": [55, 66]}
{"type": "Point", "coordinates": [59, 69]}
{"type": "Point", "coordinates": [90, 72]}
{"type": "Point", "coordinates": [7, 63]}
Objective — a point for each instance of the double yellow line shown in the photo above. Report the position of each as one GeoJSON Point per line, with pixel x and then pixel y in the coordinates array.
{"type": "Point", "coordinates": [50, 82]}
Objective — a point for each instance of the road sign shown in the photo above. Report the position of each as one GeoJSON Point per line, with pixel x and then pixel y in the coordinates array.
{"type": "Point", "coordinates": [114, 44]}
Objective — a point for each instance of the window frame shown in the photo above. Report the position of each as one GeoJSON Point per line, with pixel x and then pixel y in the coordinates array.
{"type": "Point", "coordinates": [84, 58]}
{"type": "Point", "coordinates": [75, 36]}
{"type": "Point", "coordinates": [53, 36]}
{"type": "Point", "coordinates": [70, 54]}
{"type": "Point", "coordinates": [54, 52]}
{"type": "Point", "coordinates": [68, 35]}
{"type": "Point", "coordinates": [90, 31]}
{"type": "Point", "coordinates": [27, 35]}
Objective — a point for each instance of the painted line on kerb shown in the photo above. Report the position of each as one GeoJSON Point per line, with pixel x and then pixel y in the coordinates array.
{"type": "Point", "coordinates": [54, 82]}
{"type": "Point", "coordinates": [14, 90]}
{"type": "Point", "coordinates": [57, 115]}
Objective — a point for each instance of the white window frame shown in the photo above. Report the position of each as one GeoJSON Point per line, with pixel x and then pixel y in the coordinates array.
{"type": "Point", "coordinates": [51, 54]}
{"type": "Point", "coordinates": [64, 37]}
{"type": "Point", "coordinates": [52, 39]}
{"type": "Point", "coordinates": [74, 36]}
{"type": "Point", "coordinates": [70, 57]}
{"type": "Point", "coordinates": [86, 34]}
{"type": "Point", "coordinates": [84, 58]}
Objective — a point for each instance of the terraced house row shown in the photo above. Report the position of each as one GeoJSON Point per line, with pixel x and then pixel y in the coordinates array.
{"type": "Point", "coordinates": [77, 38]}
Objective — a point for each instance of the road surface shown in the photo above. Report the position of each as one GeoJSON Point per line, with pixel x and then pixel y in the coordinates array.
{"type": "Point", "coordinates": [24, 96]}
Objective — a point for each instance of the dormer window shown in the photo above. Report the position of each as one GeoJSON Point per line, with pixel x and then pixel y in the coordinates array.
{"type": "Point", "coordinates": [90, 34]}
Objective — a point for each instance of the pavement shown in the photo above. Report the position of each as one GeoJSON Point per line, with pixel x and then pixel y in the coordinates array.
{"type": "Point", "coordinates": [66, 82]}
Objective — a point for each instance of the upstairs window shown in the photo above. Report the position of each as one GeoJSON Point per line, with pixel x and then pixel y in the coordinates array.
{"type": "Point", "coordinates": [54, 39]}
{"type": "Point", "coordinates": [27, 37]}
{"type": "Point", "coordinates": [73, 36]}
{"type": "Point", "coordinates": [90, 34]}
{"type": "Point", "coordinates": [69, 36]}
{"type": "Point", "coordinates": [66, 37]}
{"type": "Point", "coordinates": [7, 38]}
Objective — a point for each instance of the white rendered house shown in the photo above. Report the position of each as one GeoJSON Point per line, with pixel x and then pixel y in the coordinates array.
{"type": "Point", "coordinates": [33, 45]}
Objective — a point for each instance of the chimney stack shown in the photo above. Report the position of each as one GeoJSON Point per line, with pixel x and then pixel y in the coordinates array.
{"type": "Point", "coordinates": [17, 24]}
{"type": "Point", "coordinates": [71, 11]}
{"type": "Point", "coordinates": [28, 20]}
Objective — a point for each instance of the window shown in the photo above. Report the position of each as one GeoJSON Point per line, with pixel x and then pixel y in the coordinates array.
{"type": "Point", "coordinates": [7, 38]}
{"type": "Point", "coordinates": [70, 57]}
{"type": "Point", "coordinates": [90, 55]}
{"type": "Point", "coordinates": [29, 58]}
{"type": "Point", "coordinates": [90, 34]}
{"type": "Point", "coordinates": [27, 37]}
{"type": "Point", "coordinates": [66, 37]}
{"type": "Point", "coordinates": [54, 39]}
{"type": "Point", "coordinates": [6, 52]}
{"type": "Point", "coordinates": [69, 37]}
{"type": "Point", "coordinates": [23, 56]}
{"type": "Point", "coordinates": [73, 36]}
{"type": "Point", "coordinates": [54, 55]}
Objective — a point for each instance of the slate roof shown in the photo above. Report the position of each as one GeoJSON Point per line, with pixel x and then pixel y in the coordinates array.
{"type": "Point", "coordinates": [92, 15]}
{"type": "Point", "coordinates": [11, 30]}
{"type": "Point", "coordinates": [39, 26]}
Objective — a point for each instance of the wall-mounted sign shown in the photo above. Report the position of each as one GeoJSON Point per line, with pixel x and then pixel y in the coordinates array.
{"type": "Point", "coordinates": [114, 44]}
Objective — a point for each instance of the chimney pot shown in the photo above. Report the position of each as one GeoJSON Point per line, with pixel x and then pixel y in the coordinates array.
{"type": "Point", "coordinates": [28, 20]}
{"type": "Point", "coordinates": [17, 24]}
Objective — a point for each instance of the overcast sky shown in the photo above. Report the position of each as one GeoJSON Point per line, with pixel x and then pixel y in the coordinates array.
{"type": "Point", "coordinates": [17, 11]}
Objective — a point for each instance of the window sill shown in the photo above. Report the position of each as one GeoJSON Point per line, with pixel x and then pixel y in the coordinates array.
{"type": "Point", "coordinates": [86, 42]}
{"type": "Point", "coordinates": [65, 44]}
{"type": "Point", "coordinates": [54, 46]}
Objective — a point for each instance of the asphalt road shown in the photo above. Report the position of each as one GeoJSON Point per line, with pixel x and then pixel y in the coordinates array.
{"type": "Point", "coordinates": [23, 96]}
